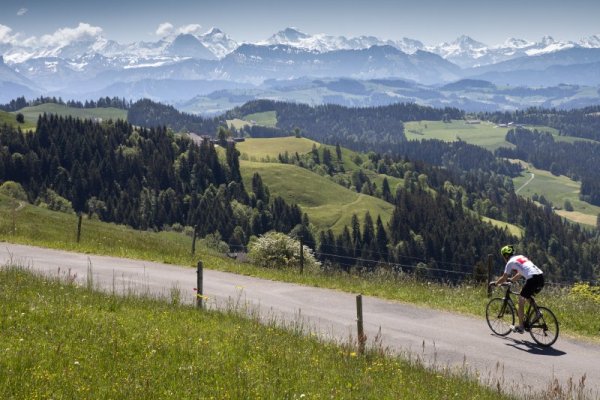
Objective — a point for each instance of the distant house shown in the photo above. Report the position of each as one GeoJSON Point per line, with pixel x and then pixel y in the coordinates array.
{"type": "Point", "coordinates": [473, 122]}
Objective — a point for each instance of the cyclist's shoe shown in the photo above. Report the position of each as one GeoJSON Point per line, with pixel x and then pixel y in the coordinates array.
{"type": "Point", "coordinates": [516, 329]}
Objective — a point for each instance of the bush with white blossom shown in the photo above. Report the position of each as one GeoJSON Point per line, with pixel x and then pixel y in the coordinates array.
{"type": "Point", "coordinates": [278, 250]}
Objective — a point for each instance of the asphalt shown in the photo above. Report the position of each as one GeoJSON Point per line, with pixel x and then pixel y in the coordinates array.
{"type": "Point", "coordinates": [436, 338]}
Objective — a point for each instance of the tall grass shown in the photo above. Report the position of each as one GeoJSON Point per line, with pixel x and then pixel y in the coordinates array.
{"type": "Point", "coordinates": [63, 342]}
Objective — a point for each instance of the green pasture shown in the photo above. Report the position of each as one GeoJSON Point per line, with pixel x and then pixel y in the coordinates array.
{"type": "Point", "coordinates": [61, 341]}
{"type": "Point", "coordinates": [259, 149]}
{"type": "Point", "coordinates": [32, 113]}
{"type": "Point", "coordinates": [237, 123]}
{"type": "Point", "coordinates": [267, 118]}
{"type": "Point", "coordinates": [11, 120]}
{"type": "Point", "coordinates": [557, 189]}
{"type": "Point", "coordinates": [327, 204]}
{"type": "Point", "coordinates": [484, 134]}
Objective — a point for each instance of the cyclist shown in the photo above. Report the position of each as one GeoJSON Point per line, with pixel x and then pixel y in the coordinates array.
{"type": "Point", "coordinates": [534, 279]}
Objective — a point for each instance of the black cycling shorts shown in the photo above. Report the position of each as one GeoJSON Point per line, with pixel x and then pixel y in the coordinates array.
{"type": "Point", "coordinates": [533, 286]}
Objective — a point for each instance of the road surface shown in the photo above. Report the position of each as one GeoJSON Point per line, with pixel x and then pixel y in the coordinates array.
{"type": "Point", "coordinates": [441, 339]}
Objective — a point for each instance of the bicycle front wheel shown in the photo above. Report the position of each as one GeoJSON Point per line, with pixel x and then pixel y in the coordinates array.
{"type": "Point", "coordinates": [545, 328]}
{"type": "Point", "coordinates": [500, 315]}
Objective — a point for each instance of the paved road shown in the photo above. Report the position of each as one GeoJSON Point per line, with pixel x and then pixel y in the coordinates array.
{"type": "Point", "coordinates": [440, 338]}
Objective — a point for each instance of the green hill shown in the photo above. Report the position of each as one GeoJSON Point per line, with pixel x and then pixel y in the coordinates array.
{"type": "Point", "coordinates": [327, 204]}
{"type": "Point", "coordinates": [11, 119]}
{"type": "Point", "coordinates": [31, 113]}
{"type": "Point", "coordinates": [258, 149]}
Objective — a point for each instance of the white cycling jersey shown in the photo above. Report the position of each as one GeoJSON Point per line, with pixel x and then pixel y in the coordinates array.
{"type": "Point", "coordinates": [522, 265]}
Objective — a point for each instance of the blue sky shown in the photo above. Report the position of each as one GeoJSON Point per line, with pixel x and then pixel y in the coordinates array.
{"type": "Point", "coordinates": [431, 21]}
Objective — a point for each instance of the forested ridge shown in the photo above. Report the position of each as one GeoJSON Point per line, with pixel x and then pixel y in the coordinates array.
{"type": "Point", "coordinates": [436, 222]}
{"type": "Point", "coordinates": [144, 178]}
{"type": "Point", "coordinates": [368, 128]}
{"type": "Point", "coordinates": [148, 113]}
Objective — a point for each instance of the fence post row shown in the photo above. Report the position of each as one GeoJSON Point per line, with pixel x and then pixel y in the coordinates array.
{"type": "Point", "coordinates": [199, 283]}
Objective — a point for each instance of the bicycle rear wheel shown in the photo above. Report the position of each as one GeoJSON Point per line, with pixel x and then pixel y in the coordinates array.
{"type": "Point", "coordinates": [500, 316]}
{"type": "Point", "coordinates": [545, 328]}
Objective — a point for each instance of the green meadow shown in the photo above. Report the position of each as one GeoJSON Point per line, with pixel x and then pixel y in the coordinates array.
{"type": "Point", "coordinates": [328, 205]}
{"type": "Point", "coordinates": [267, 118]}
{"type": "Point", "coordinates": [11, 120]}
{"type": "Point", "coordinates": [259, 149]}
{"type": "Point", "coordinates": [61, 341]}
{"type": "Point", "coordinates": [557, 189]}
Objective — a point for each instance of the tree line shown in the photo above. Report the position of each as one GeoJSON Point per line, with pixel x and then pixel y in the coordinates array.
{"type": "Point", "coordinates": [103, 102]}
{"type": "Point", "coordinates": [581, 122]}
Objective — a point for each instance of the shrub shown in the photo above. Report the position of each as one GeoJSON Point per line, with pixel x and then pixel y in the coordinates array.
{"type": "Point", "coordinates": [213, 241]}
{"type": "Point", "coordinates": [55, 202]}
{"type": "Point", "coordinates": [277, 250]}
{"type": "Point", "coordinates": [13, 190]}
{"type": "Point", "coordinates": [583, 291]}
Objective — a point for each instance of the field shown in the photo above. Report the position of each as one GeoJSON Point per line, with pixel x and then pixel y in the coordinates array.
{"type": "Point", "coordinates": [557, 189]}
{"type": "Point", "coordinates": [61, 341]}
{"type": "Point", "coordinates": [327, 204]}
{"type": "Point", "coordinates": [31, 113]}
{"type": "Point", "coordinates": [10, 119]}
{"type": "Point", "coordinates": [484, 134]}
{"type": "Point", "coordinates": [267, 118]}
{"type": "Point", "coordinates": [258, 149]}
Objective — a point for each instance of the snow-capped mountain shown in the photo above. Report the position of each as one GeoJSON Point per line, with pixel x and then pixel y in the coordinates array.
{"type": "Point", "coordinates": [82, 60]}
{"type": "Point", "coordinates": [218, 42]}
{"type": "Point", "coordinates": [325, 43]}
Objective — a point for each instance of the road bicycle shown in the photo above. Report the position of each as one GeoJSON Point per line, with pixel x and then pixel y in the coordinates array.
{"type": "Point", "coordinates": [540, 322]}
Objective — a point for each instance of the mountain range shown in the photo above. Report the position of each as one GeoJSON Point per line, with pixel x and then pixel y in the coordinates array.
{"type": "Point", "coordinates": [201, 63]}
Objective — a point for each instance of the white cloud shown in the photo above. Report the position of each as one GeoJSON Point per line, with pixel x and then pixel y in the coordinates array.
{"type": "Point", "coordinates": [194, 29]}
{"type": "Point", "coordinates": [164, 29]}
{"type": "Point", "coordinates": [22, 12]}
{"type": "Point", "coordinates": [5, 36]}
{"type": "Point", "coordinates": [64, 36]}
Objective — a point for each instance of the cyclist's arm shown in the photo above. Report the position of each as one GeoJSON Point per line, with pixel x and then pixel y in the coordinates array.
{"type": "Point", "coordinates": [516, 276]}
{"type": "Point", "coordinates": [502, 279]}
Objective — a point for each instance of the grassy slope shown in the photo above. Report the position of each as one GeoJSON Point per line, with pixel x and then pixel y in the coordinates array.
{"type": "Point", "coordinates": [267, 118]}
{"type": "Point", "coordinates": [60, 341]}
{"type": "Point", "coordinates": [10, 119]}
{"type": "Point", "coordinates": [31, 113]}
{"type": "Point", "coordinates": [328, 204]}
{"type": "Point", "coordinates": [557, 189]}
{"type": "Point", "coordinates": [257, 149]}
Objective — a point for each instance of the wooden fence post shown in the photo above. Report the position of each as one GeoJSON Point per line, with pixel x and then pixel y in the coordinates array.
{"type": "Point", "coordinates": [301, 255]}
{"type": "Point", "coordinates": [489, 277]}
{"type": "Point", "coordinates": [359, 322]}
{"type": "Point", "coordinates": [199, 283]}
{"type": "Point", "coordinates": [79, 219]}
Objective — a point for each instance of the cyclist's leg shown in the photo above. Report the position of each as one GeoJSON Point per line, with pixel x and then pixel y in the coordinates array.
{"type": "Point", "coordinates": [526, 293]}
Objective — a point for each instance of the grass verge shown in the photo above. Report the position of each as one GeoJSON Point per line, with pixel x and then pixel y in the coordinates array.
{"type": "Point", "coordinates": [61, 341]}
